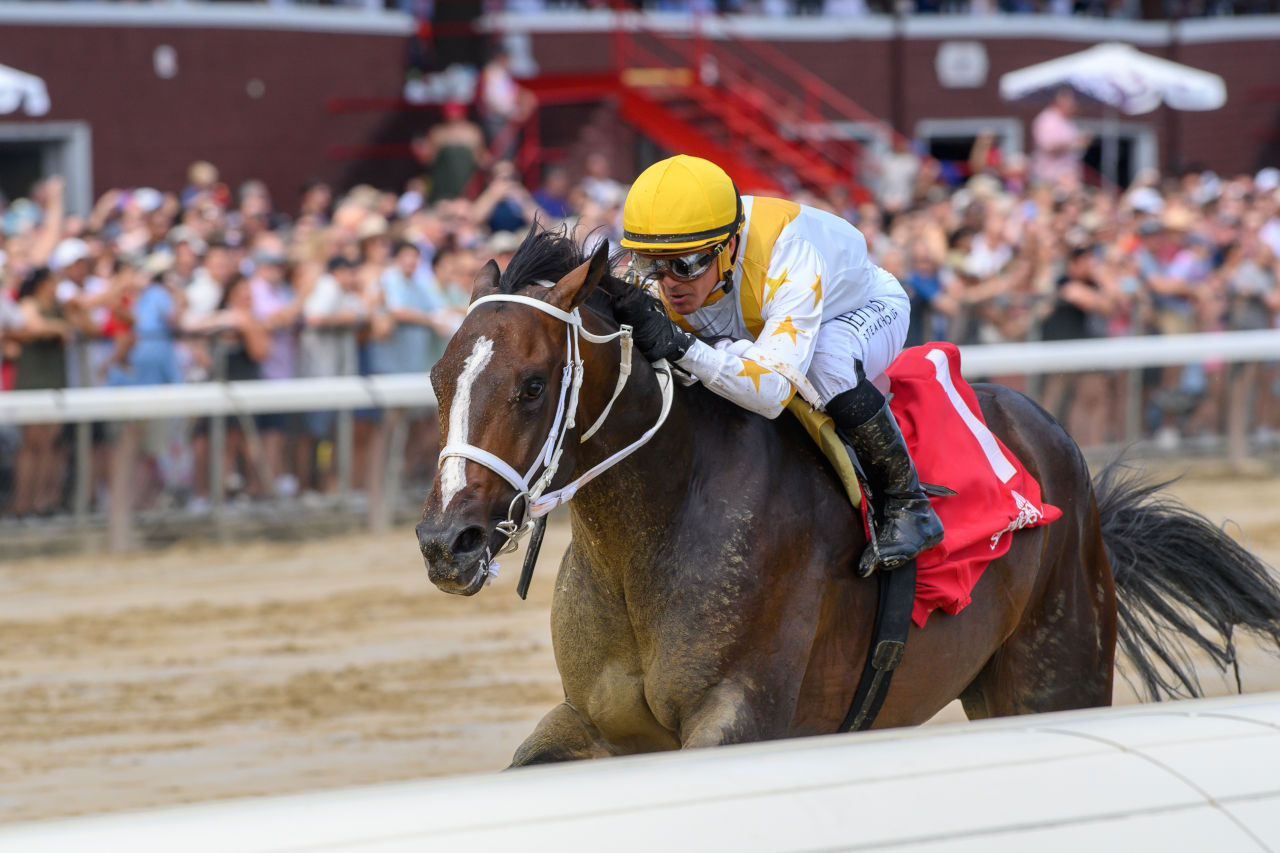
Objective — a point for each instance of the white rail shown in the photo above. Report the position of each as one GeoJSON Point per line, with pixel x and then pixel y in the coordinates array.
{"type": "Point", "coordinates": [401, 390]}
{"type": "Point", "coordinates": [1178, 776]}
{"type": "Point", "coordinates": [216, 398]}
{"type": "Point", "coordinates": [1120, 353]}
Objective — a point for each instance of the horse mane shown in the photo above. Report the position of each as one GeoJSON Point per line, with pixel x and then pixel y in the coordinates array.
{"type": "Point", "coordinates": [549, 254]}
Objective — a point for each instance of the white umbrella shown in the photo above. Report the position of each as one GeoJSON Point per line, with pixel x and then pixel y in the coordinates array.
{"type": "Point", "coordinates": [20, 89]}
{"type": "Point", "coordinates": [1120, 76]}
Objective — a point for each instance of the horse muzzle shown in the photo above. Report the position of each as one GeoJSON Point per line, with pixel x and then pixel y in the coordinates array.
{"type": "Point", "coordinates": [457, 555]}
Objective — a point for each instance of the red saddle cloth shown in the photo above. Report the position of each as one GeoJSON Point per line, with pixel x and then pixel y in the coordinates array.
{"type": "Point", "coordinates": [951, 445]}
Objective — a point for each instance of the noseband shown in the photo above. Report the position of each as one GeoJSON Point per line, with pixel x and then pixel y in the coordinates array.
{"type": "Point", "coordinates": [528, 490]}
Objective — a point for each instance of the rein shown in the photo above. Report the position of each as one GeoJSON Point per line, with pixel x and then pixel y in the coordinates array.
{"type": "Point", "coordinates": [537, 501]}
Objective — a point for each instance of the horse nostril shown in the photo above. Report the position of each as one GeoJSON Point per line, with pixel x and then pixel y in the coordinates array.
{"type": "Point", "coordinates": [470, 540]}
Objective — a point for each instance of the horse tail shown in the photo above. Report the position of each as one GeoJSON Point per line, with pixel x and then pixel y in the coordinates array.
{"type": "Point", "coordinates": [1181, 583]}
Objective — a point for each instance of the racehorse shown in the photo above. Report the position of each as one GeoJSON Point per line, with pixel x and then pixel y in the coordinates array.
{"type": "Point", "coordinates": [709, 595]}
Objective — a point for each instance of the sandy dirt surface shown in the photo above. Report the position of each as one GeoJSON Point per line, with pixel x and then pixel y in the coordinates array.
{"type": "Point", "coordinates": [207, 672]}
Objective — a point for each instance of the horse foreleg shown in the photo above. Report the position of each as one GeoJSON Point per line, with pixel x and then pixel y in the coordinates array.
{"type": "Point", "coordinates": [562, 735]}
{"type": "Point", "coordinates": [724, 716]}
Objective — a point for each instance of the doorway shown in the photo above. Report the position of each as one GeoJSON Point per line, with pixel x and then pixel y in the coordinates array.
{"type": "Point", "coordinates": [30, 151]}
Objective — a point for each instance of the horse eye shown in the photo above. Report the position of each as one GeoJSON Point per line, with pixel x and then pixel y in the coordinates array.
{"type": "Point", "coordinates": [532, 389]}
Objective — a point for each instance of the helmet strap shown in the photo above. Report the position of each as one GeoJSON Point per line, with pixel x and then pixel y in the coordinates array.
{"type": "Point", "coordinates": [726, 275]}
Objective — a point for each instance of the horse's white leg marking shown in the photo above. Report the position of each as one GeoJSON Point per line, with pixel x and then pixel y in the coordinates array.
{"type": "Point", "coordinates": [453, 473]}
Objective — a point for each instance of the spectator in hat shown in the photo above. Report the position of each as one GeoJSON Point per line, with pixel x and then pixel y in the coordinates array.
{"type": "Point", "coordinates": [85, 298]}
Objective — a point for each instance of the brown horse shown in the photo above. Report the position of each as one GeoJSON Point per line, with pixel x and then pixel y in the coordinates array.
{"type": "Point", "coordinates": [709, 595]}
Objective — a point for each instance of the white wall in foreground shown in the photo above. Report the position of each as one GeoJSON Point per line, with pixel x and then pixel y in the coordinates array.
{"type": "Point", "coordinates": [1201, 776]}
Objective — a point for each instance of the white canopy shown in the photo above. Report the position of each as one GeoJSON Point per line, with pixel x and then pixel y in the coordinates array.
{"type": "Point", "coordinates": [1120, 76]}
{"type": "Point", "coordinates": [20, 89]}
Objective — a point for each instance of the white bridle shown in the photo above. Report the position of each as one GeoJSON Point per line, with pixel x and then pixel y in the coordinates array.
{"type": "Point", "coordinates": [548, 458]}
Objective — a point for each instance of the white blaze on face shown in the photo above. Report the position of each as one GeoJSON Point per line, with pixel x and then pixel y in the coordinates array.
{"type": "Point", "coordinates": [453, 473]}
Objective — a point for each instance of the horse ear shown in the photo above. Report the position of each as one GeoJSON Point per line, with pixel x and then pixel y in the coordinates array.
{"type": "Point", "coordinates": [573, 290]}
{"type": "Point", "coordinates": [486, 280]}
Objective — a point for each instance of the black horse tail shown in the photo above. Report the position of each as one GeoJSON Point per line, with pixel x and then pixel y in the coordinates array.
{"type": "Point", "coordinates": [1181, 582]}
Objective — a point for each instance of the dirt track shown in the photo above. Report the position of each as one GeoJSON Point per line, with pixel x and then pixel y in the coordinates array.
{"type": "Point", "coordinates": [200, 673]}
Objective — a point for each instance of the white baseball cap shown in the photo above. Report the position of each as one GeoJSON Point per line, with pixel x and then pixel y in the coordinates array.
{"type": "Point", "coordinates": [1146, 200]}
{"type": "Point", "coordinates": [67, 253]}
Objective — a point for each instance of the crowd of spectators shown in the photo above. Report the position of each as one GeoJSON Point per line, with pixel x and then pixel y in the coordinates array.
{"type": "Point", "coordinates": [208, 281]}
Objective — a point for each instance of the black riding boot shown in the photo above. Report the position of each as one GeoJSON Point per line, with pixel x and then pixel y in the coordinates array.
{"type": "Point", "coordinates": [909, 525]}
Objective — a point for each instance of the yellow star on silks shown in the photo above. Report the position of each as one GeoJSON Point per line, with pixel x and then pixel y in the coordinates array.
{"type": "Point", "coordinates": [786, 327]}
{"type": "Point", "coordinates": [755, 371]}
{"type": "Point", "coordinates": [771, 285]}
{"type": "Point", "coordinates": [816, 287]}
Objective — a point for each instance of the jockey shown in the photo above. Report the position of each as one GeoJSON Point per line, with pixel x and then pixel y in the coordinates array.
{"type": "Point", "coordinates": [795, 305]}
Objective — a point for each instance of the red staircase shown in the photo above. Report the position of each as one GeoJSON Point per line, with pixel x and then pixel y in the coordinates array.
{"type": "Point", "coordinates": [771, 123]}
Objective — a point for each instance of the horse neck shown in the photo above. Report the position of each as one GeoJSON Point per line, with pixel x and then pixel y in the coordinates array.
{"type": "Point", "coordinates": [642, 492]}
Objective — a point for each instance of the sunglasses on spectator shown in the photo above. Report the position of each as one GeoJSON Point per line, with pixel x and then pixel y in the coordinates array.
{"type": "Point", "coordinates": [680, 267]}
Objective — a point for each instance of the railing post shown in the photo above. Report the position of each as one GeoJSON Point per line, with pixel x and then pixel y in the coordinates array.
{"type": "Point", "coordinates": [378, 463]}
{"type": "Point", "coordinates": [344, 434]}
{"type": "Point", "coordinates": [1241, 379]}
{"type": "Point", "coordinates": [120, 514]}
{"type": "Point", "coordinates": [218, 441]}
{"type": "Point", "coordinates": [83, 472]}
{"type": "Point", "coordinates": [1133, 405]}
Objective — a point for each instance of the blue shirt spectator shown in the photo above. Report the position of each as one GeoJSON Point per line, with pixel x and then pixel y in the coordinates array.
{"type": "Point", "coordinates": [413, 300]}
{"type": "Point", "coordinates": [153, 358]}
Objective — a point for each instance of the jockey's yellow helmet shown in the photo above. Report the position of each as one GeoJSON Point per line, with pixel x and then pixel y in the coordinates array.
{"type": "Point", "coordinates": [680, 205]}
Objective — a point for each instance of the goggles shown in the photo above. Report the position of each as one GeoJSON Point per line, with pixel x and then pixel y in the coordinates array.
{"type": "Point", "coordinates": [680, 267]}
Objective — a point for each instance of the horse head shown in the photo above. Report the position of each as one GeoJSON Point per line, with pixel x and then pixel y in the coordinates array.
{"type": "Point", "coordinates": [507, 398]}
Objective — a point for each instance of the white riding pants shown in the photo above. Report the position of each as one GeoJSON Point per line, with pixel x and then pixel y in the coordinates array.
{"type": "Point", "coordinates": [873, 335]}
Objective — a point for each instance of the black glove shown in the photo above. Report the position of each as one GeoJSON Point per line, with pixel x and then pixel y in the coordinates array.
{"type": "Point", "coordinates": [651, 329]}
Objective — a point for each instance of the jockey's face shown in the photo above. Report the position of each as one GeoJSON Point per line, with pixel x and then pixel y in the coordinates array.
{"type": "Point", "coordinates": [688, 295]}
{"type": "Point", "coordinates": [685, 297]}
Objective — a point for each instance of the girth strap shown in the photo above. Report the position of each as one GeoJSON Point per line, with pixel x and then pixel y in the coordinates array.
{"type": "Point", "coordinates": [888, 643]}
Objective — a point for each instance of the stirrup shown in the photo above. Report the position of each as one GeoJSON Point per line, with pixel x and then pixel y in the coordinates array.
{"type": "Point", "coordinates": [871, 558]}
